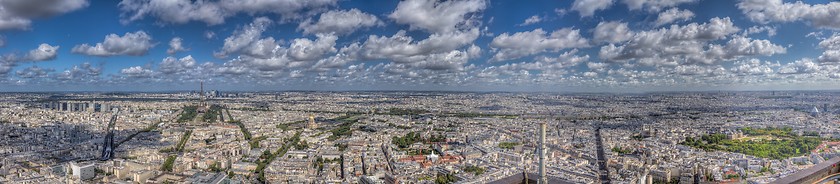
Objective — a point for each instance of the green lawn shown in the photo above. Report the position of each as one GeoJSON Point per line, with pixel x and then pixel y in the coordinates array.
{"type": "Point", "coordinates": [775, 143]}
{"type": "Point", "coordinates": [508, 145]}
{"type": "Point", "coordinates": [187, 114]}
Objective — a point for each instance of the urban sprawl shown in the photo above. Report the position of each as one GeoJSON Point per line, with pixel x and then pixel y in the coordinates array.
{"type": "Point", "coordinates": [414, 137]}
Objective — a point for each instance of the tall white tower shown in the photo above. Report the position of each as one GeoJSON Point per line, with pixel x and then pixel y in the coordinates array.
{"type": "Point", "coordinates": [202, 93]}
{"type": "Point", "coordinates": [815, 112]}
{"type": "Point", "coordinates": [543, 178]}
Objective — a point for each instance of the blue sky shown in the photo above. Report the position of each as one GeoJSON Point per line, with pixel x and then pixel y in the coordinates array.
{"type": "Point", "coordinates": [470, 45]}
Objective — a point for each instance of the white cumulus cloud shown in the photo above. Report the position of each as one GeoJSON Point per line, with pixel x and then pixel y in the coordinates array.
{"type": "Point", "coordinates": [244, 36]}
{"type": "Point", "coordinates": [137, 72]}
{"type": "Point", "coordinates": [766, 11]}
{"type": "Point", "coordinates": [44, 52]}
{"type": "Point", "coordinates": [531, 20]}
{"type": "Point", "coordinates": [832, 49]}
{"type": "Point", "coordinates": [654, 5]}
{"type": "Point", "coordinates": [521, 44]}
{"type": "Point", "coordinates": [587, 8]}
{"type": "Point", "coordinates": [340, 22]}
{"type": "Point", "coordinates": [171, 65]}
{"type": "Point", "coordinates": [612, 32]}
{"type": "Point", "coordinates": [215, 12]}
{"type": "Point", "coordinates": [673, 15]}
{"type": "Point", "coordinates": [132, 44]}
{"type": "Point", "coordinates": [687, 44]}
{"type": "Point", "coordinates": [435, 16]}
{"type": "Point", "coordinates": [176, 45]}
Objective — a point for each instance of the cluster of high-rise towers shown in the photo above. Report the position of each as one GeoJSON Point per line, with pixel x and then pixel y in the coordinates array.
{"type": "Point", "coordinates": [79, 106]}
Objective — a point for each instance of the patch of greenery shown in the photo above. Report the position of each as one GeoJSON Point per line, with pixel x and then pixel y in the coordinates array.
{"type": "Point", "coordinates": [99, 171]}
{"type": "Point", "coordinates": [250, 109]}
{"type": "Point", "coordinates": [283, 126]}
{"type": "Point", "coordinates": [779, 132]}
{"type": "Point", "coordinates": [168, 163]}
{"type": "Point", "coordinates": [255, 143]}
{"type": "Point", "coordinates": [479, 115]}
{"type": "Point", "coordinates": [622, 151]}
{"type": "Point", "coordinates": [301, 145]}
{"type": "Point", "coordinates": [811, 133]}
{"type": "Point", "coordinates": [340, 146]}
{"type": "Point", "coordinates": [320, 161]}
{"type": "Point", "coordinates": [475, 170]}
{"type": "Point", "coordinates": [287, 126]}
{"type": "Point", "coordinates": [732, 176]}
{"type": "Point", "coordinates": [426, 151]}
{"type": "Point", "coordinates": [344, 129]}
{"type": "Point", "coordinates": [230, 118]}
{"type": "Point", "coordinates": [242, 127]}
{"type": "Point", "coordinates": [508, 145]}
{"type": "Point", "coordinates": [392, 125]}
{"type": "Point", "coordinates": [167, 150]}
{"type": "Point", "coordinates": [187, 114]}
{"type": "Point", "coordinates": [215, 167]}
{"type": "Point", "coordinates": [407, 140]}
{"type": "Point", "coordinates": [424, 178]}
{"type": "Point", "coordinates": [781, 145]}
{"type": "Point", "coordinates": [183, 141]}
{"type": "Point", "coordinates": [269, 157]}
{"type": "Point", "coordinates": [400, 112]}
{"type": "Point", "coordinates": [210, 140]}
{"type": "Point", "coordinates": [212, 114]}
{"type": "Point", "coordinates": [150, 128]}
{"type": "Point", "coordinates": [445, 179]}
{"type": "Point", "coordinates": [638, 137]}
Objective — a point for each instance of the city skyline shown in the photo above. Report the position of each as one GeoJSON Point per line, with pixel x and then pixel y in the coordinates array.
{"type": "Point", "coordinates": [419, 91]}
{"type": "Point", "coordinates": [414, 137]}
{"type": "Point", "coordinates": [425, 45]}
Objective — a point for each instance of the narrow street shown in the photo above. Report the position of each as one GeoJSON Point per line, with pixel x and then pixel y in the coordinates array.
{"type": "Point", "coordinates": [604, 174]}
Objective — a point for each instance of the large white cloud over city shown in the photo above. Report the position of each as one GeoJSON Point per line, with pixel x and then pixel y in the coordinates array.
{"type": "Point", "coordinates": [132, 44]}
{"type": "Point", "coordinates": [436, 16]}
{"type": "Point", "coordinates": [339, 22]}
{"type": "Point", "coordinates": [521, 44]}
{"type": "Point", "coordinates": [766, 11]}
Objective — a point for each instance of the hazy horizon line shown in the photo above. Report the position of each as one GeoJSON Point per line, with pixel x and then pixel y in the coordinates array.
{"type": "Point", "coordinates": [431, 91]}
